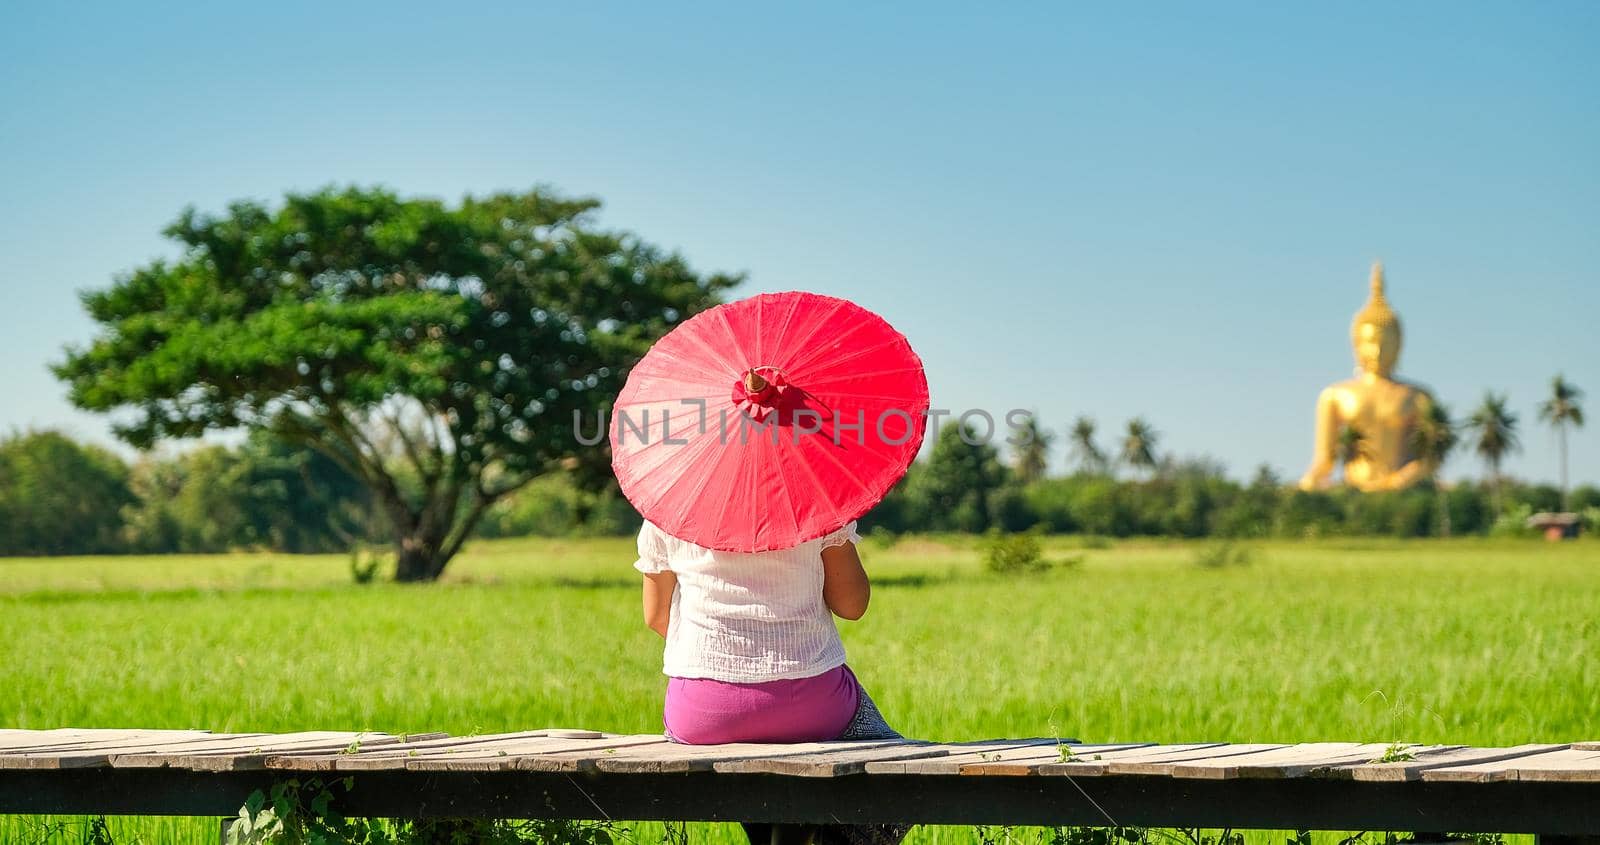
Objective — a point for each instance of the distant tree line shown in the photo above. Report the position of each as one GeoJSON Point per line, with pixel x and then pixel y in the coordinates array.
{"type": "Point", "coordinates": [1131, 491]}
{"type": "Point", "coordinates": [58, 496]}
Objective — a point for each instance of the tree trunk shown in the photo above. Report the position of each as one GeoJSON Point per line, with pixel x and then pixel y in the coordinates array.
{"type": "Point", "coordinates": [1494, 489]}
{"type": "Point", "coordinates": [417, 557]}
{"type": "Point", "coordinates": [426, 542]}
{"type": "Point", "coordinates": [1561, 430]}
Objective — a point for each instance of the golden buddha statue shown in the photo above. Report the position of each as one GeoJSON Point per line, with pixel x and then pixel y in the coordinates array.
{"type": "Point", "coordinates": [1371, 417]}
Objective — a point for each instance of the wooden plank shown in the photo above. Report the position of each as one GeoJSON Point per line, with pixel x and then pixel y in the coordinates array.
{"type": "Point", "coordinates": [1155, 761]}
{"type": "Point", "coordinates": [100, 754]}
{"type": "Point", "coordinates": [676, 757]}
{"type": "Point", "coordinates": [1094, 764]}
{"type": "Point", "coordinates": [400, 757]}
{"type": "Point", "coordinates": [136, 755]}
{"type": "Point", "coordinates": [1574, 765]}
{"type": "Point", "coordinates": [957, 753]}
{"type": "Point", "coordinates": [255, 760]}
{"type": "Point", "coordinates": [1288, 762]}
{"type": "Point", "coordinates": [556, 755]}
{"type": "Point", "coordinates": [845, 757]}
{"type": "Point", "coordinates": [21, 742]}
{"type": "Point", "coordinates": [1576, 769]}
{"type": "Point", "coordinates": [392, 757]}
{"type": "Point", "coordinates": [1407, 770]}
{"type": "Point", "coordinates": [1027, 760]}
{"type": "Point", "coordinates": [14, 737]}
{"type": "Point", "coordinates": [25, 735]}
{"type": "Point", "coordinates": [233, 759]}
{"type": "Point", "coordinates": [1586, 746]}
{"type": "Point", "coordinates": [502, 756]}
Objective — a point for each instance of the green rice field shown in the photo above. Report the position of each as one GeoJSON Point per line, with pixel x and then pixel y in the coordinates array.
{"type": "Point", "coordinates": [1463, 641]}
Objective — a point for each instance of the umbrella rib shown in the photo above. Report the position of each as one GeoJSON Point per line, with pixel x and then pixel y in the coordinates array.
{"type": "Point", "coordinates": [783, 331]}
{"type": "Point", "coordinates": [878, 397]}
{"type": "Point", "coordinates": [756, 458]}
{"type": "Point", "coordinates": [704, 446]}
{"type": "Point", "coordinates": [733, 338]}
{"type": "Point", "coordinates": [842, 468]}
{"type": "Point", "coordinates": [801, 363]}
{"type": "Point", "coordinates": [816, 326]}
{"type": "Point", "coordinates": [663, 462]}
{"type": "Point", "coordinates": [822, 489]}
{"type": "Point", "coordinates": [672, 357]}
{"type": "Point", "coordinates": [870, 347]}
{"type": "Point", "coordinates": [788, 498]}
{"type": "Point", "coordinates": [816, 384]}
{"type": "Point", "coordinates": [705, 477]}
{"type": "Point", "coordinates": [698, 341]}
{"type": "Point", "coordinates": [722, 510]}
{"type": "Point", "coordinates": [650, 425]}
{"type": "Point", "coordinates": [644, 463]}
{"type": "Point", "coordinates": [760, 305]}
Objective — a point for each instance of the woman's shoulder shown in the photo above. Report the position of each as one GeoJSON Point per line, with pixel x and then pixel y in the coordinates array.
{"type": "Point", "coordinates": [839, 536]}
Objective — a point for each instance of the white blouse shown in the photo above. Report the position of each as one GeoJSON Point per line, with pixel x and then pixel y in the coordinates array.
{"type": "Point", "coordinates": [746, 618]}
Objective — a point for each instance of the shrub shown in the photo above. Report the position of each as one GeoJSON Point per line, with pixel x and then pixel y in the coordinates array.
{"type": "Point", "coordinates": [1013, 554]}
{"type": "Point", "coordinates": [1514, 522]}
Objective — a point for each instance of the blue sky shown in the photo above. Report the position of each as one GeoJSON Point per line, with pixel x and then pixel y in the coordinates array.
{"type": "Point", "coordinates": [1132, 209]}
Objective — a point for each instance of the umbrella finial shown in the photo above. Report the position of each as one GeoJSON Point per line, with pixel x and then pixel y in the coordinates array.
{"type": "Point", "coordinates": [753, 382]}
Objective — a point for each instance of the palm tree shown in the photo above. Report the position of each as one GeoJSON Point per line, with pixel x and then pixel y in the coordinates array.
{"type": "Point", "coordinates": [1562, 410]}
{"type": "Point", "coordinates": [1033, 456]}
{"type": "Point", "coordinates": [1139, 444]}
{"type": "Point", "coordinates": [1495, 430]}
{"type": "Point", "coordinates": [1432, 441]}
{"type": "Point", "coordinates": [1085, 451]}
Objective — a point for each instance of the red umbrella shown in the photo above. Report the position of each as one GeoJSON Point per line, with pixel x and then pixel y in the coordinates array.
{"type": "Point", "coordinates": [764, 423]}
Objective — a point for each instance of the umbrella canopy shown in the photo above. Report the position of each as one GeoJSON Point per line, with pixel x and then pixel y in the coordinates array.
{"type": "Point", "coordinates": [764, 423]}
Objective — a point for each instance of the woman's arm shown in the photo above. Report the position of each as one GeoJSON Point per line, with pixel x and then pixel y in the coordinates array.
{"type": "Point", "coordinates": [658, 589]}
{"type": "Point", "coordinates": [844, 583]}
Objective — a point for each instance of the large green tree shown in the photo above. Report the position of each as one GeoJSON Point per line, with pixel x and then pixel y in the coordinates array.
{"type": "Point", "coordinates": [1563, 410]}
{"type": "Point", "coordinates": [439, 353]}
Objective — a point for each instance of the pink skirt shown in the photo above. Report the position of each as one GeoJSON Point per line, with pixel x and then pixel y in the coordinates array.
{"type": "Point", "coordinates": [702, 711]}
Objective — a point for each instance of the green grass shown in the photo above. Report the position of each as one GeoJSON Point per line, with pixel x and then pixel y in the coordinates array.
{"type": "Point", "coordinates": [1467, 641]}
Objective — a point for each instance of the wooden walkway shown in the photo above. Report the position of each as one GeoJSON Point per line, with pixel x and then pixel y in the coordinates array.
{"type": "Point", "coordinates": [1550, 789]}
